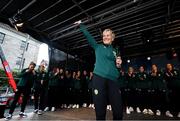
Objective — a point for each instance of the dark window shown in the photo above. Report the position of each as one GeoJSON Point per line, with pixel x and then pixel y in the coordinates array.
{"type": "Point", "coordinates": [27, 46]}
{"type": "Point", "coordinates": [2, 35]}
{"type": "Point", "coordinates": [23, 45]}
{"type": "Point", "coordinates": [18, 61]}
{"type": "Point", "coordinates": [23, 63]}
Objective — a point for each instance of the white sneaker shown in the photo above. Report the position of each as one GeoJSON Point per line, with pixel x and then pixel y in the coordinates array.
{"type": "Point", "coordinates": [109, 107]}
{"type": "Point", "coordinates": [93, 107]}
{"type": "Point", "coordinates": [150, 112]}
{"type": "Point", "coordinates": [84, 105]}
{"type": "Point", "coordinates": [35, 110]}
{"type": "Point", "coordinates": [127, 111]}
{"type": "Point", "coordinates": [138, 110]}
{"type": "Point", "coordinates": [145, 111]}
{"type": "Point", "coordinates": [39, 112]}
{"type": "Point", "coordinates": [65, 106]}
{"type": "Point", "coordinates": [90, 106]}
{"type": "Point", "coordinates": [77, 106]}
{"type": "Point", "coordinates": [74, 106]}
{"type": "Point", "coordinates": [158, 112]}
{"type": "Point", "coordinates": [168, 114]}
{"type": "Point", "coordinates": [131, 109]}
{"type": "Point", "coordinates": [70, 106]}
{"type": "Point", "coordinates": [46, 109]}
{"type": "Point", "coordinates": [53, 109]}
{"type": "Point", "coordinates": [22, 114]}
{"type": "Point", "coordinates": [8, 117]}
{"type": "Point", "coordinates": [178, 115]}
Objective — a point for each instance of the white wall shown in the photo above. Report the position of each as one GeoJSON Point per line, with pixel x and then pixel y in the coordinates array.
{"type": "Point", "coordinates": [11, 47]}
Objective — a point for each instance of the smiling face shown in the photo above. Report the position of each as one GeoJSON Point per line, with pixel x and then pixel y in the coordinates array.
{"type": "Point", "coordinates": [108, 36]}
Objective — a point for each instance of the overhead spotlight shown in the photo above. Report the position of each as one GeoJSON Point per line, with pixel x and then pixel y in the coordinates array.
{"type": "Point", "coordinates": [148, 40]}
{"type": "Point", "coordinates": [128, 61]}
{"type": "Point", "coordinates": [16, 21]}
{"type": "Point", "coordinates": [148, 58]}
{"type": "Point", "coordinates": [19, 24]}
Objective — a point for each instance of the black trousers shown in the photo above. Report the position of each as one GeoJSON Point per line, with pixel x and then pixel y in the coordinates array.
{"type": "Point", "coordinates": [174, 101]}
{"type": "Point", "coordinates": [130, 97]}
{"type": "Point", "coordinates": [53, 96]}
{"type": "Point", "coordinates": [26, 93]}
{"type": "Point", "coordinates": [90, 97]}
{"type": "Point", "coordinates": [105, 90]}
{"type": "Point", "coordinates": [39, 96]}
{"type": "Point", "coordinates": [77, 96]}
{"type": "Point", "coordinates": [159, 100]}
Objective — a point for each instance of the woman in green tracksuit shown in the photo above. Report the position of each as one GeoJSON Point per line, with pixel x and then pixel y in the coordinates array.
{"type": "Point", "coordinates": [106, 74]}
{"type": "Point", "coordinates": [24, 86]}
{"type": "Point", "coordinates": [77, 90]}
{"type": "Point", "coordinates": [53, 84]}
{"type": "Point", "coordinates": [158, 87]}
{"type": "Point", "coordinates": [39, 88]}
{"type": "Point", "coordinates": [143, 84]}
{"type": "Point", "coordinates": [172, 77]}
{"type": "Point", "coordinates": [130, 78]}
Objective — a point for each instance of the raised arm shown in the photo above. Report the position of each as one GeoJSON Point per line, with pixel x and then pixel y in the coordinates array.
{"type": "Point", "coordinates": [88, 36]}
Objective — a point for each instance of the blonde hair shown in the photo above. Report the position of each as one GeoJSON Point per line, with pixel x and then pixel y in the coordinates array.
{"type": "Point", "coordinates": [112, 33]}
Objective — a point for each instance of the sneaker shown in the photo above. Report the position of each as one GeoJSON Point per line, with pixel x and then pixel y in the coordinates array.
{"type": "Point", "coordinates": [150, 112]}
{"type": "Point", "coordinates": [39, 112]}
{"type": "Point", "coordinates": [74, 106]}
{"type": "Point", "coordinates": [77, 106]}
{"type": "Point", "coordinates": [8, 117]}
{"type": "Point", "coordinates": [127, 111]}
{"type": "Point", "coordinates": [84, 105]}
{"type": "Point", "coordinates": [168, 114]}
{"type": "Point", "coordinates": [93, 107]}
{"type": "Point", "coordinates": [110, 108]}
{"type": "Point", "coordinates": [178, 115]}
{"type": "Point", "coordinates": [46, 109]}
{"type": "Point", "coordinates": [131, 109]}
{"type": "Point", "coordinates": [70, 106]}
{"type": "Point", "coordinates": [22, 114]}
{"type": "Point", "coordinates": [53, 109]}
{"type": "Point", "coordinates": [90, 106]}
{"type": "Point", "coordinates": [35, 110]}
{"type": "Point", "coordinates": [107, 107]}
{"type": "Point", "coordinates": [145, 111]}
{"type": "Point", "coordinates": [158, 112]}
{"type": "Point", "coordinates": [138, 110]}
{"type": "Point", "coordinates": [65, 106]}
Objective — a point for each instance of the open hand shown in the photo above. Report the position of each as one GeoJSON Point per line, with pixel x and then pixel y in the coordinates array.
{"type": "Point", "coordinates": [78, 22]}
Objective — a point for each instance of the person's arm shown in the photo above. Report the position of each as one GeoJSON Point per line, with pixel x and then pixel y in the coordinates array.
{"type": "Point", "coordinates": [23, 73]}
{"type": "Point", "coordinates": [88, 36]}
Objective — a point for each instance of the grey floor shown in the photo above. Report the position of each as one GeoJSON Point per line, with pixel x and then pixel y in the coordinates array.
{"type": "Point", "coordinates": [80, 114]}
